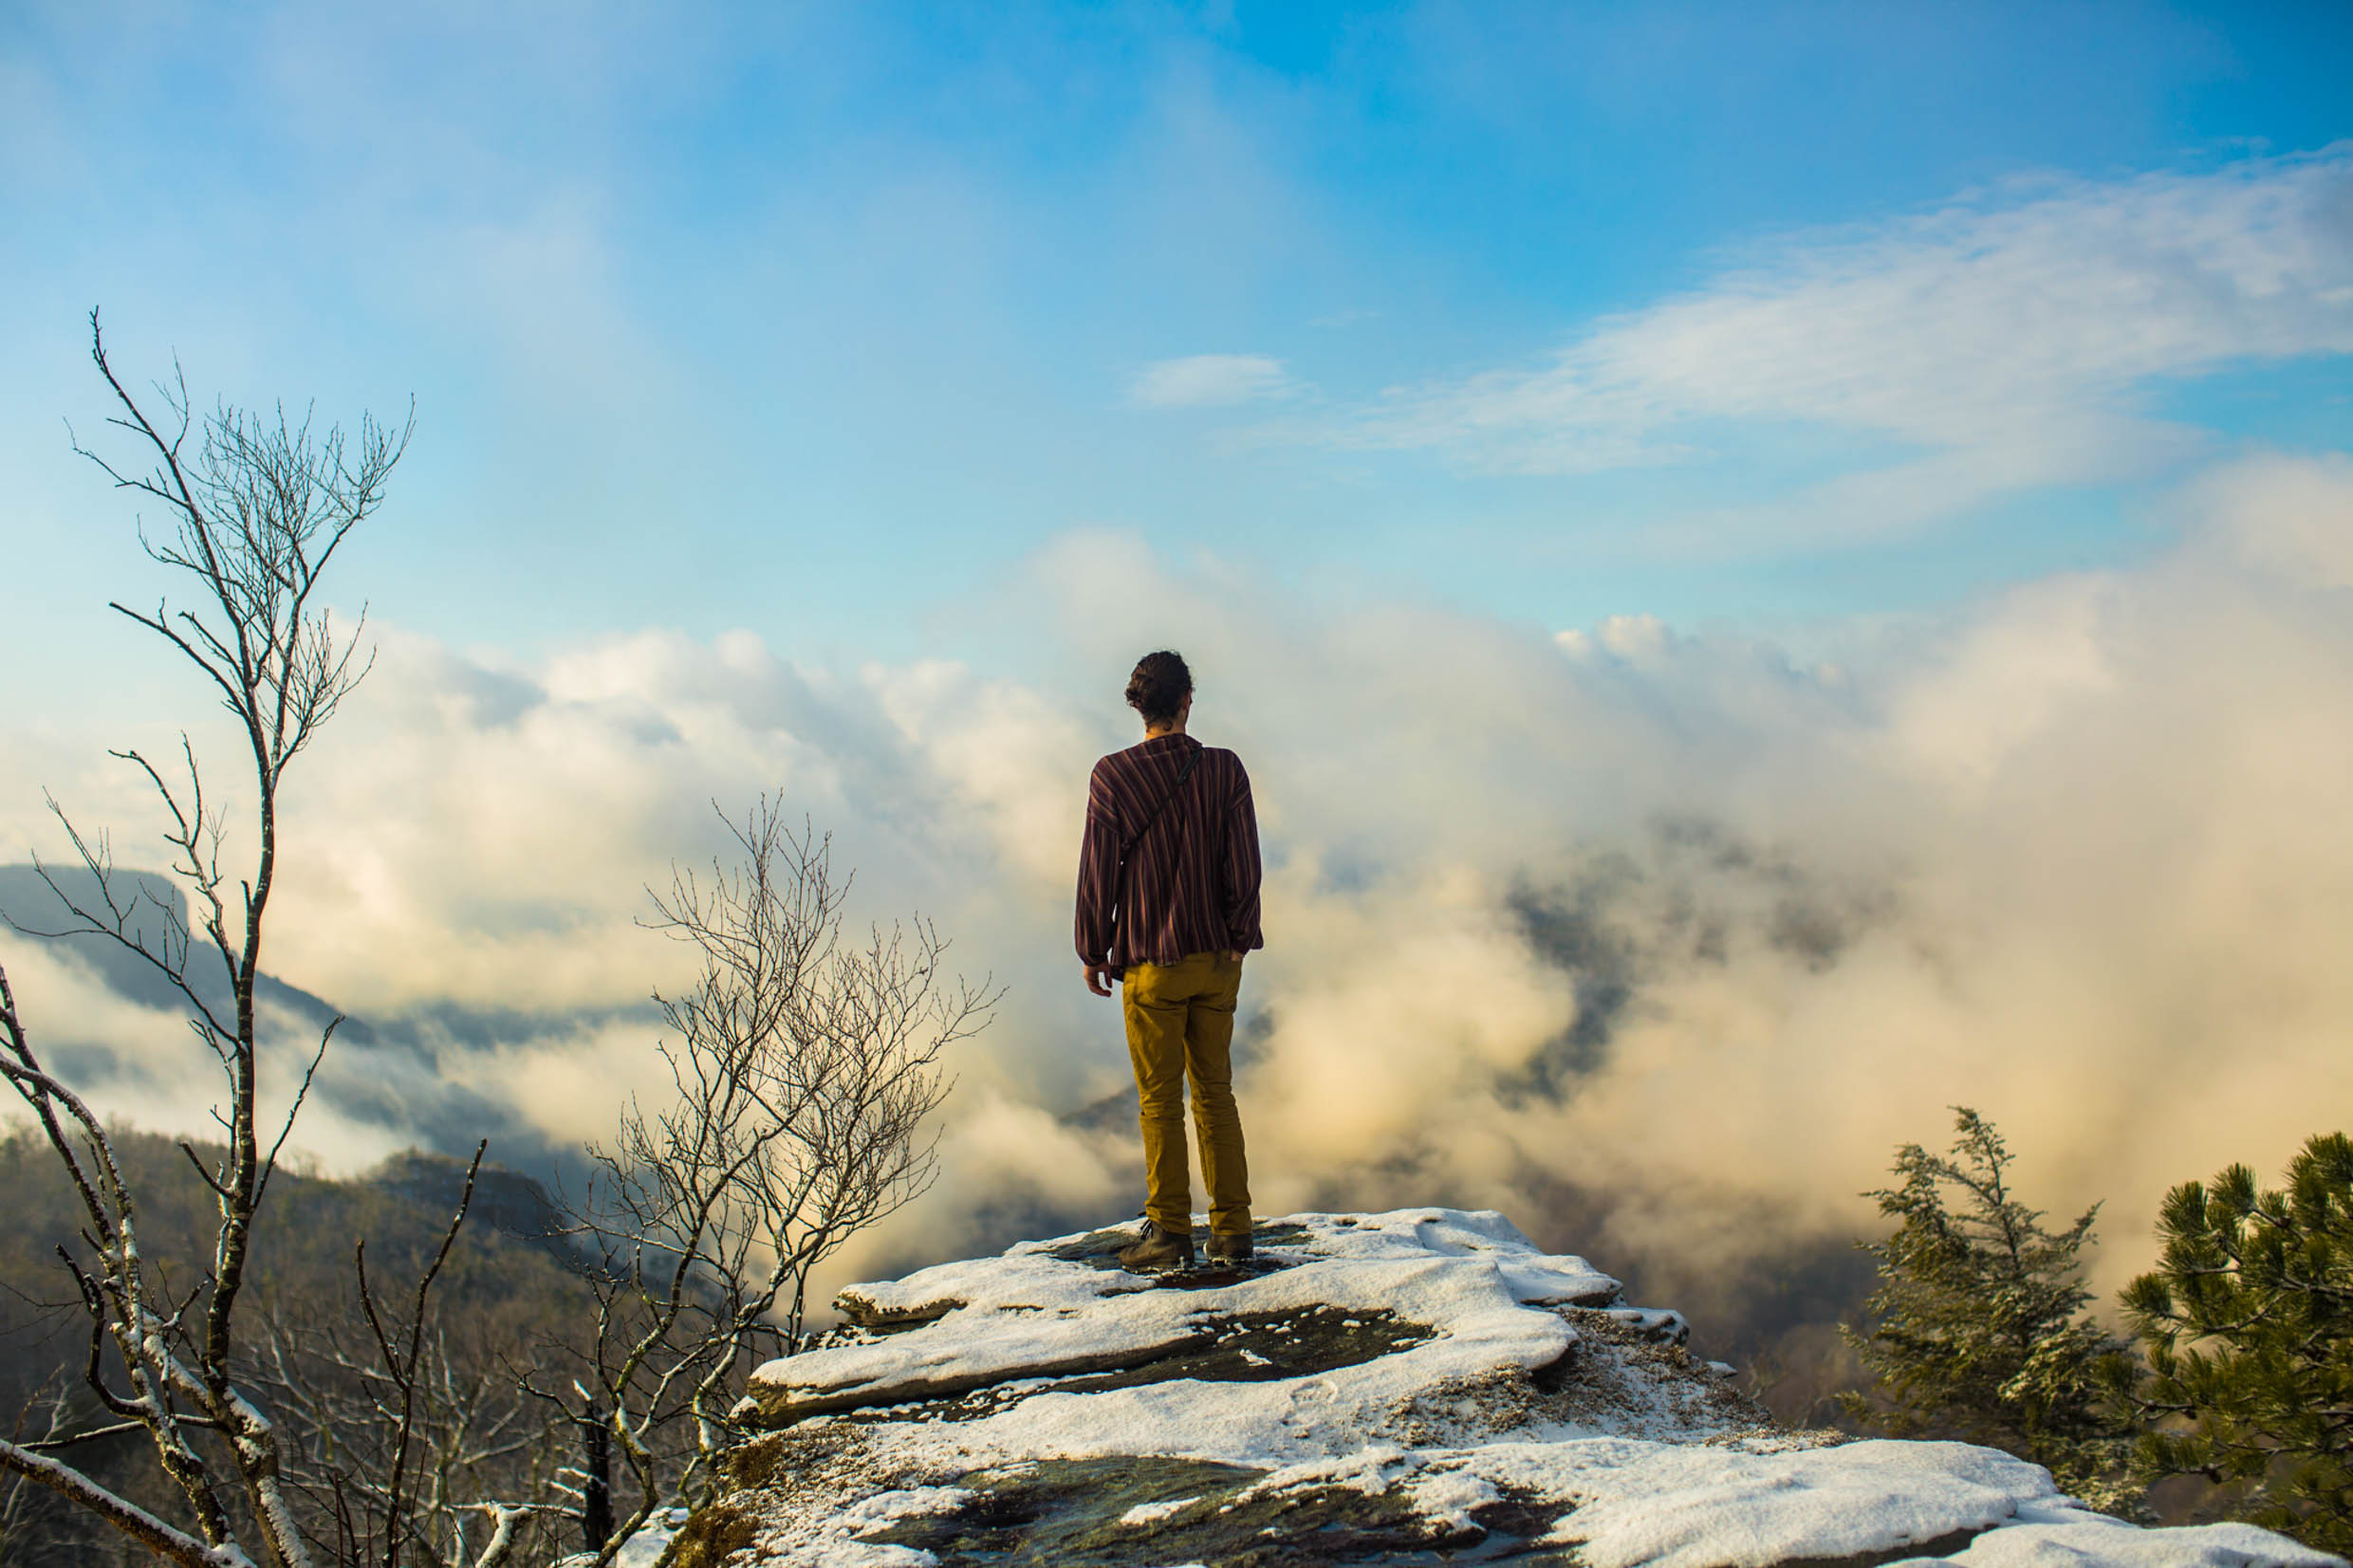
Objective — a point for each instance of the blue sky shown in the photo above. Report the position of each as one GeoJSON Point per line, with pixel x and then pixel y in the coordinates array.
{"type": "Point", "coordinates": [812, 320]}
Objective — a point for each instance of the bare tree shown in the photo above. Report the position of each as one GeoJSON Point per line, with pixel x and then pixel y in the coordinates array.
{"type": "Point", "coordinates": [404, 1445]}
{"type": "Point", "coordinates": [46, 1419]}
{"type": "Point", "coordinates": [804, 1069]}
{"type": "Point", "coordinates": [258, 509]}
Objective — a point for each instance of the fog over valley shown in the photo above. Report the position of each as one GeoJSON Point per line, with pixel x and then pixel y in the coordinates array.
{"type": "Point", "coordinates": [1655, 938]}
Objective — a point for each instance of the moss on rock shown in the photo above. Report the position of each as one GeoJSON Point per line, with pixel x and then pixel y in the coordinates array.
{"type": "Point", "coordinates": [710, 1536]}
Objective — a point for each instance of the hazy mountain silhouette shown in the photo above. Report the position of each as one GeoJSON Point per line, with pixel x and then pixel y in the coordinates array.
{"type": "Point", "coordinates": [384, 1073]}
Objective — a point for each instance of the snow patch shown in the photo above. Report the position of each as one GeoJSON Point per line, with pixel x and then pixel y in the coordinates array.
{"type": "Point", "coordinates": [1152, 1513]}
{"type": "Point", "coordinates": [1431, 1364]}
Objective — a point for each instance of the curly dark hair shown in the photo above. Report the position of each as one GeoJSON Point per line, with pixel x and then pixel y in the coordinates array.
{"type": "Point", "coordinates": [1160, 685]}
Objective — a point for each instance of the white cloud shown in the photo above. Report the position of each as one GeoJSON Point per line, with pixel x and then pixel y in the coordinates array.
{"type": "Point", "coordinates": [1209, 380]}
{"type": "Point", "coordinates": [2011, 338]}
{"type": "Point", "coordinates": [1667, 922]}
{"type": "Point", "coordinates": [2291, 516]}
{"type": "Point", "coordinates": [1631, 638]}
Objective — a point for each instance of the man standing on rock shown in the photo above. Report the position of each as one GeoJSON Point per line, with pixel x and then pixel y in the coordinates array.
{"type": "Point", "coordinates": [1168, 904]}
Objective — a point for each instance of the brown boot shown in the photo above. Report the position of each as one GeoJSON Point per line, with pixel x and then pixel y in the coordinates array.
{"type": "Point", "coordinates": [1228, 1249]}
{"type": "Point", "coordinates": [1158, 1251]}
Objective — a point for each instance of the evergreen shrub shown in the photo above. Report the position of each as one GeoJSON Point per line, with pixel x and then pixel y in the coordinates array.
{"type": "Point", "coordinates": [1978, 1329]}
{"type": "Point", "coordinates": [2247, 1324]}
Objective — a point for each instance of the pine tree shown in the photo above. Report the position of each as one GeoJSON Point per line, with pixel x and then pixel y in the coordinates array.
{"type": "Point", "coordinates": [2248, 1326]}
{"type": "Point", "coordinates": [1979, 1330]}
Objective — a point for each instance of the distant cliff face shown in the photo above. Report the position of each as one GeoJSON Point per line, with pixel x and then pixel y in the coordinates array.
{"type": "Point", "coordinates": [1416, 1387]}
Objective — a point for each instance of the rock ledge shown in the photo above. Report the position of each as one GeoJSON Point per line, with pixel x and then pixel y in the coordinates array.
{"type": "Point", "coordinates": [1416, 1386]}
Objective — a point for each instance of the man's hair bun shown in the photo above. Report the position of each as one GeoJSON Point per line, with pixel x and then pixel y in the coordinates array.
{"type": "Point", "coordinates": [1160, 685]}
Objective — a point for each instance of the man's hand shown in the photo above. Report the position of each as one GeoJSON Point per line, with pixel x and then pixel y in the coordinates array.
{"type": "Point", "coordinates": [1235, 953]}
{"type": "Point", "coordinates": [1098, 979]}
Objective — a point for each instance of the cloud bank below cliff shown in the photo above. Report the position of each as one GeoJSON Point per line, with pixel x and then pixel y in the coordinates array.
{"type": "Point", "coordinates": [1655, 939]}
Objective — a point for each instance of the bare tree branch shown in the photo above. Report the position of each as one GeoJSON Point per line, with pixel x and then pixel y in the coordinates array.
{"type": "Point", "coordinates": [256, 512]}
{"type": "Point", "coordinates": [133, 1521]}
{"type": "Point", "coordinates": [804, 1072]}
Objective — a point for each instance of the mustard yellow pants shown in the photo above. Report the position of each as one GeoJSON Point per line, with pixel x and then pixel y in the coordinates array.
{"type": "Point", "coordinates": [1179, 1025]}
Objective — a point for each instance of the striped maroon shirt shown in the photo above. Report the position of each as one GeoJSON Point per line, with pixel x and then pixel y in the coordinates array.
{"type": "Point", "coordinates": [1192, 878]}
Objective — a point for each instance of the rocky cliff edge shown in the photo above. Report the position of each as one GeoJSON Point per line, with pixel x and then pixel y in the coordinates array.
{"type": "Point", "coordinates": [1372, 1390]}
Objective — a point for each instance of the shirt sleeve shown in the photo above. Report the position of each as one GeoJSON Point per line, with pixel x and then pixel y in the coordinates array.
{"type": "Point", "coordinates": [1099, 866]}
{"type": "Point", "coordinates": [1241, 872]}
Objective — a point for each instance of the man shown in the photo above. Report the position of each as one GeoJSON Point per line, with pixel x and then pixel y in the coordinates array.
{"type": "Point", "coordinates": [1168, 904]}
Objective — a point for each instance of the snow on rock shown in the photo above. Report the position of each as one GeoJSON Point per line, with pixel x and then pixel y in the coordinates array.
{"type": "Point", "coordinates": [1420, 1386]}
{"type": "Point", "coordinates": [1152, 1513]}
{"type": "Point", "coordinates": [641, 1550]}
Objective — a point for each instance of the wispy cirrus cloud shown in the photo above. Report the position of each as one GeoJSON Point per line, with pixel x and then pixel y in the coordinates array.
{"type": "Point", "coordinates": [1210, 380]}
{"type": "Point", "coordinates": [2012, 338]}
